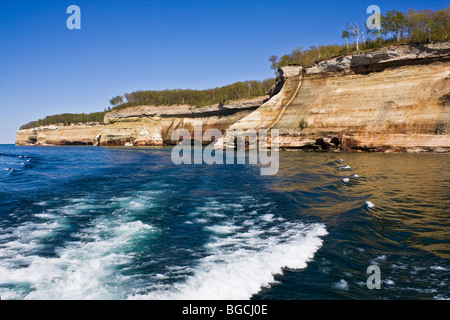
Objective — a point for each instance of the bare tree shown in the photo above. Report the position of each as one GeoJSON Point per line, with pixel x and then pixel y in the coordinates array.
{"type": "Point", "coordinates": [355, 30]}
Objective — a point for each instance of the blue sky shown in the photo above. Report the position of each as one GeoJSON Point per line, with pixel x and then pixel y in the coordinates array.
{"type": "Point", "coordinates": [129, 45]}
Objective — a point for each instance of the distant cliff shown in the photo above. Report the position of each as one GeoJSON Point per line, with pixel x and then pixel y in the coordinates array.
{"type": "Point", "coordinates": [390, 99]}
{"type": "Point", "coordinates": [140, 125]}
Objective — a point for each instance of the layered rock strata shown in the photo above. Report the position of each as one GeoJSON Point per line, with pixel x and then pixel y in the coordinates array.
{"type": "Point", "coordinates": [392, 99]}
{"type": "Point", "coordinates": [141, 125]}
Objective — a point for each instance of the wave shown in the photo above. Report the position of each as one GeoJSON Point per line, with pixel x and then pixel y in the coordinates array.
{"type": "Point", "coordinates": [12, 164]}
{"type": "Point", "coordinates": [12, 155]}
{"type": "Point", "coordinates": [87, 267]}
{"type": "Point", "coordinates": [244, 254]}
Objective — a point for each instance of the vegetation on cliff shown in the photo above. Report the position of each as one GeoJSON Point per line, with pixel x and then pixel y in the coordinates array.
{"type": "Point", "coordinates": [411, 27]}
{"type": "Point", "coordinates": [66, 119]}
{"type": "Point", "coordinates": [198, 98]}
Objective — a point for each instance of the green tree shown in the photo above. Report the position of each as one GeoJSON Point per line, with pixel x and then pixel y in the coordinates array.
{"type": "Point", "coordinates": [116, 101]}
{"type": "Point", "coordinates": [409, 27]}
{"type": "Point", "coordinates": [346, 36]}
{"type": "Point", "coordinates": [395, 22]}
{"type": "Point", "coordinates": [273, 63]}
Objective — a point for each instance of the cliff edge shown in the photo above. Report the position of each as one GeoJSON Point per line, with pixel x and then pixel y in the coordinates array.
{"type": "Point", "coordinates": [140, 125]}
{"type": "Point", "coordinates": [391, 99]}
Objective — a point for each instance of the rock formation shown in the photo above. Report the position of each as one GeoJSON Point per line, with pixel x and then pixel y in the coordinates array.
{"type": "Point", "coordinates": [141, 125]}
{"type": "Point", "coordinates": [390, 99]}
{"type": "Point", "coordinates": [80, 134]}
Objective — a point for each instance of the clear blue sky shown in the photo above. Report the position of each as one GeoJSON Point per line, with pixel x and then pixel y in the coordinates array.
{"type": "Point", "coordinates": [129, 45]}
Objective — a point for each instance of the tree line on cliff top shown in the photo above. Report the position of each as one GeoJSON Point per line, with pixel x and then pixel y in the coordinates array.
{"type": "Point", "coordinates": [411, 27]}
{"type": "Point", "coordinates": [197, 98]}
{"type": "Point", "coordinates": [66, 119]}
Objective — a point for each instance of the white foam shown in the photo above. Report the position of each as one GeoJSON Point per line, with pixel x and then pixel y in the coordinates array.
{"type": "Point", "coordinates": [245, 251]}
{"type": "Point", "coordinates": [237, 268]}
{"type": "Point", "coordinates": [345, 180]}
{"type": "Point", "coordinates": [267, 217]}
{"type": "Point", "coordinates": [136, 205]}
{"type": "Point", "coordinates": [201, 220]}
{"type": "Point", "coordinates": [223, 229]}
{"type": "Point", "coordinates": [217, 215]}
{"type": "Point", "coordinates": [378, 259]}
{"type": "Point", "coordinates": [32, 231]}
{"type": "Point", "coordinates": [441, 297]}
{"type": "Point", "coordinates": [341, 285]}
{"type": "Point", "coordinates": [80, 270]}
{"type": "Point", "coordinates": [345, 167]}
{"type": "Point", "coordinates": [46, 216]}
{"type": "Point", "coordinates": [370, 204]}
{"type": "Point", "coordinates": [242, 256]}
{"type": "Point", "coordinates": [438, 268]}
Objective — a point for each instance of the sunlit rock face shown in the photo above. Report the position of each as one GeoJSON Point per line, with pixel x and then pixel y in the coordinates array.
{"type": "Point", "coordinates": [141, 125]}
{"type": "Point", "coordinates": [392, 99]}
{"type": "Point", "coordinates": [389, 99]}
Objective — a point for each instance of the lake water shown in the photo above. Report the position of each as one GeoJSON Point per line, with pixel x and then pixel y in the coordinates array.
{"type": "Point", "coordinates": [126, 223]}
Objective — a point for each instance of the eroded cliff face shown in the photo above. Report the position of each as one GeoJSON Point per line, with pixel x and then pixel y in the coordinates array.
{"type": "Point", "coordinates": [81, 134]}
{"type": "Point", "coordinates": [393, 99]}
{"type": "Point", "coordinates": [141, 125]}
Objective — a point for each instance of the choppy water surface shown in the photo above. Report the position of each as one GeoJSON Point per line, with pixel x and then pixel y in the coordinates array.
{"type": "Point", "coordinates": [119, 223]}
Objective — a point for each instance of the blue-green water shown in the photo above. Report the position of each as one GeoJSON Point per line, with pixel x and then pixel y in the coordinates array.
{"type": "Point", "coordinates": [126, 223]}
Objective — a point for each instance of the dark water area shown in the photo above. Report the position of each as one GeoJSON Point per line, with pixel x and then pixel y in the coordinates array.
{"type": "Point", "coordinates": [126, 223]}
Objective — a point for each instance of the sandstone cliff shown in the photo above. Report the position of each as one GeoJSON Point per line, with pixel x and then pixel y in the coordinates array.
{"type": "Point", "coordinates": [141, 125]}
{"type": "Point", "coordinates": [80, 134]}
{"type": "Point", "coordinates": [391, 99]}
